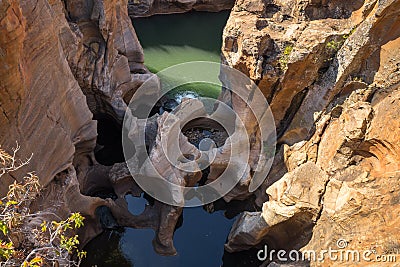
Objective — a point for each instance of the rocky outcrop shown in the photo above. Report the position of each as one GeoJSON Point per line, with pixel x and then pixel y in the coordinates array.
{"type": "Point", "coordinates": [103, 53]}
{"type": "Point", "coordinates": [287, 50]}
{"type": "Point", "coordinates": [171, 170]}
{"type": "Point", "coordinates": [360, 203]}
{"type": "Point", "coordinates": [144, 8]}
{"type": "Point", "coordinates": [62, 62]}
{"type": "Point", "coordinates": [294, 199]}
{"type": "Point", "coordinates": [350, 186]}
{"type": "Point", "coordinates": [328, 72]}
{"type": "Point", "coordinates": [43, 107]}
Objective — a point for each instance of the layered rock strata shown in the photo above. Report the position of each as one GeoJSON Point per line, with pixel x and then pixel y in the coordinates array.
{"type": "Point", "coordinates": [329, 71]}
{"type": "Point", "coordinates": [61, 63]}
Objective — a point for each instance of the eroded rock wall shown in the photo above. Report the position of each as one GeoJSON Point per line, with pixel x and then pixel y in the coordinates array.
{"type": "Point", "coordinates": [330, 73]}
{"type": "Point", "coordinates": [144, 8]}
{"type": "Point", "coordinates": [62, 62]}
{"type": "Point", "coordinates": [43, 107]}
{"type": "Point", "coordinates": [103, 52]}
{"type": "Point", "coordinates": [329, 69]}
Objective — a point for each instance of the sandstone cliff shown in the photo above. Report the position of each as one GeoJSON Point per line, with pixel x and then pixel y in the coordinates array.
{"type": "Point", "coordinates": [62, 62]}
{"type": "Point", "coordinates": [330, 71]}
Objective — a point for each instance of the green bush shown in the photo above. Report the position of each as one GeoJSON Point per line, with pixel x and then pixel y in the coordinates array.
{"type": "Point", "coordinates": [57, 243]}
{"type": "Point", "coordinates": [284, 60]}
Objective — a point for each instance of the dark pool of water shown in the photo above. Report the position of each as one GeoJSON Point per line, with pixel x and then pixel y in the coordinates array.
{"type": "Point", "coordinates": [199, 242]}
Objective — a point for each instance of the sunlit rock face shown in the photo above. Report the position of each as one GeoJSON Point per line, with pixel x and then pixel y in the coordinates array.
{"type": "Point", "coordinates": [62, 62]}
{"type": "Point", "coordinates": [145, 8]}
{"type": "Point", "coordinates": [43, 107]}
{"type": "Point", "coordinates": [303, 54]}
{"type": "Point", "coordinates": [329, 72]}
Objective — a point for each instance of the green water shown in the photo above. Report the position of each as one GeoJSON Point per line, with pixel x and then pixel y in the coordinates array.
{"type": "Point", "coordinates": [168, 40]}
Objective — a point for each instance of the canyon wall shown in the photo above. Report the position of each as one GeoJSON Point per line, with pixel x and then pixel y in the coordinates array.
{"type": "Point", "coordinates": [63, 62]}
{"type": "Point", "coordinates": [330, 71]}
{"type": "Point", "coordinates": [145, 8]}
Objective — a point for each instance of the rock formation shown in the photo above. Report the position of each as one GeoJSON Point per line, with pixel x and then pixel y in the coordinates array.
{"type": "Point", "coordinates": [144, 8]}
{"type": "Point", "coordinates": [329, 70]}
{"type": "Point", "coordinates": [61, 63]}
{"type": "Point", "coordinates": [64, 62]}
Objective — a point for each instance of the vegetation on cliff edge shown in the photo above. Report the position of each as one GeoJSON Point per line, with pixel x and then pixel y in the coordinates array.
{"type": "Point", "coordinates": [54, 241]}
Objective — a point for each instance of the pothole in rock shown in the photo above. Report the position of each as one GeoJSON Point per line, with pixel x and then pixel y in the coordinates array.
{"type": "Point", "coordinates": [196, 135]}
{"type": "Point", "coordinates": [203, 130]}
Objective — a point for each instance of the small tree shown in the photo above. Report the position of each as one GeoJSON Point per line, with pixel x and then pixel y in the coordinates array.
{"type": "Point", "coordinates": [55, 239]}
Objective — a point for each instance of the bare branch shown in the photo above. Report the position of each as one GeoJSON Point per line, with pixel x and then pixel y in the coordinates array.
{"type": "Point", "coordinates": [9, 163]}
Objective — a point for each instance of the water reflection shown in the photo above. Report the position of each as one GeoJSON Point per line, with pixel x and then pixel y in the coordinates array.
{"type": "Point", "coordinates": [169, 40]}
{"type": "Point", "coordinates": [199, 242]}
